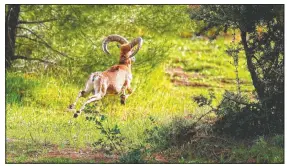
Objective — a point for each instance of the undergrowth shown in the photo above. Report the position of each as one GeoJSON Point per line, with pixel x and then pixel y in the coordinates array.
{"type": "Point", "coordinates": [159, 117]}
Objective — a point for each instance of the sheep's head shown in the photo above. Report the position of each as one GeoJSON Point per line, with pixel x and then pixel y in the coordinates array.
{"type": "Point", "coordinates": [127, 52]}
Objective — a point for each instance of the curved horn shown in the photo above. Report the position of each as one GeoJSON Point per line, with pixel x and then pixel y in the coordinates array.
{"type": "Point", "coordinates": [111, 38]}
{"type": "Point", "coordinates": [137, 41]}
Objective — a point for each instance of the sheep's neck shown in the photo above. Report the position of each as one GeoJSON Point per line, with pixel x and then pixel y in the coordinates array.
{"type": "Point", "coordinates": [125, 61]}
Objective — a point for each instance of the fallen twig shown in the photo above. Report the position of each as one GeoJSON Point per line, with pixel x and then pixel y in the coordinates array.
{"type": "Point", "coordinates": [213, 137]}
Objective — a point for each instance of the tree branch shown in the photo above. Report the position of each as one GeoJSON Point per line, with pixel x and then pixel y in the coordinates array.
{"type": "Point", "coordinates": [212, 110]}
{"type": "Point", "coordinates": [248, 53]}
{"type": "Point", "coordinates": [32, 59]}
{"type": "Point", "coordinates": [204, 29]}
{"type": "Point", "coordinates": [215, 138]}
{"type": "Point", "coordinates": [42, 41]}
{"type": "Point", "coordinates": [35, 40]}
{"type": "Point", "coordinates": [243, 103]}
{"type": "Point", "coordinates": [87, 38]}
{"type": "Point", "coordinates": [36, 22]}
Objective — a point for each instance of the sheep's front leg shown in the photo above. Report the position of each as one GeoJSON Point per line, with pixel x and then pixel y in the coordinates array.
{"type": "Point", "coordinates": [130, 91]}
{"type": "Point", "coordinates": [124, 96]}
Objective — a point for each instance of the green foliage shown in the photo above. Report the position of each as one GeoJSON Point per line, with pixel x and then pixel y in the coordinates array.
{"type": "Point", "coordinates": [158, 115]}
{"type": "Point", "coordinates": [169, 18]}
{"type": "Point", "coordinates": [82, 28]}
{"type": "Point", "coordinates": [232, 103]}
{"type": "Point", "coordinates": [278, 140]}
{"type": "Point", "coordinates": [111, 140]}
{"type": "Point", "coordinates": [261, 152]}
{"type": "Point", "coordinates": [134, 156]}
{"type": "Point", "coordinates": [261, 31]}
{"type": "Point", "coordinates": [60, 160]}
{"type": "Point", "coordinates": [203, 101]}
{"type": "Point", "coordinates": [244, 17]}
{"type": "Point", "coordinates": [54, 160]}
{"type": "Point", "coordinates": [175, 133]}
{"type": "Point", "coordinates": [18, 86]}
{"type": "Point", "coordinates": [240, 118]}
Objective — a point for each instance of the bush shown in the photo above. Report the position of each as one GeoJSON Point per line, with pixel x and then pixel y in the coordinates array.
{"type": "Point", "coordinates": [238, 118]}
{"type": "Point", "coordinates": [19, 86]}
{"type": "Point", "coordinates": [278, 140]}
{"type": "Point", "coordinates": [260, 152]}
{"type": "Point", "coordinates": [133, 157]}
{"type": "Point", "coordinates": [262, 37]}
{"type": "Point", "coordinates": [176, 133]}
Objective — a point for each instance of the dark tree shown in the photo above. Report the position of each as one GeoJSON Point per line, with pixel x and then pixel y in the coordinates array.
{"type": "Point", "coordinates": [16, 28]}
{"type": "Point", "coordinates": [262, 37]}
{"type": "Point", "coordinates": [11, 22]}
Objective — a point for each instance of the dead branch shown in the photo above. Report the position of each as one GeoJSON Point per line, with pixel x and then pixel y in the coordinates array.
{"type": "Point", "coordinates": [32, 59]}
{"type": "Point", "coordinates": [42, 41]}
{"type": "Point", "coordinates": [212, 109]}
{"type": "Point", "coordinates": [243, 103]}
{"type": "Point", "coordinates": [36, 22]}
{"type": "Point", "coordinates": [213, 153]}
{"type": "Point", "coordinates": [214, 138]}
{"type": "Point", "coordinates": [86, 37]}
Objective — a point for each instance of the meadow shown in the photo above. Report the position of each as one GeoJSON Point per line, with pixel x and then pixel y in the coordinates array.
{"type": "Point", "coordinates": [172, 67]}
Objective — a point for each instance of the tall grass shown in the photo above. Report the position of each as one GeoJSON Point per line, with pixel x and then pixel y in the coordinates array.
{"type": "Point", "coordinates": [36, 102]}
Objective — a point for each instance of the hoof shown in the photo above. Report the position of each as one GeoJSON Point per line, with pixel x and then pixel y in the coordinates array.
{"type": "Point", "coordinates": [71, 106]}
{"type": "Point", "coordinates": [75, 115]}
{"type": "Point", "coordinates": [123, 99]}
{"type": "Point", "coordinates": [123, 102]}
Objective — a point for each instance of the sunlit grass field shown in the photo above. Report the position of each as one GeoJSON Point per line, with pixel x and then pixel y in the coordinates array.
{"type": "Point", "coordinates": [170, 69]}
{"type": "Point", "coordinates": [36, 104]}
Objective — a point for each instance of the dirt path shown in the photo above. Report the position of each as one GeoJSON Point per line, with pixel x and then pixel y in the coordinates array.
{"type": "Point", "coordinates": [86, 154]}
{"type": "Point", "coordinates": [18, 151]}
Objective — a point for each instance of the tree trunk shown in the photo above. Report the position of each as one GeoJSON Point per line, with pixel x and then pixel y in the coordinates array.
{"type": "Point", "coordinates": [11, 22]}
{"type": "Point", "coordinates": [256, 81]}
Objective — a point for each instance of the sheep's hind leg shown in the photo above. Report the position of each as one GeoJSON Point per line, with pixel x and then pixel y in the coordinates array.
{"type": "Point", "coordinates": [92, 99]}
{"type": "Point", "coordinates": [99, 92]}
{"type": "Point", "coordinates": [82, 93]}
{"type": "Point", "coordinates": [86, 91]}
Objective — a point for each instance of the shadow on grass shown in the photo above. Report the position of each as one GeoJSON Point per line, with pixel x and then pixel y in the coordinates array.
{"type": "Point", "coordinates": [180, 141]}
{"type": "Point", "coordinates": [32, 152]}
{"type": "Point", "coordinates": [18, 86]}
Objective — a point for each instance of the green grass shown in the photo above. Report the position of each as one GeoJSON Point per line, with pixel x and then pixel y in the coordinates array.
{"type": "Point", "coordinates": [36, 107]}
{"type": "Point", "coordinates": [262, 151]}
{"type": "Point", "coordinates": [36, 103]}
{"type": "Point", "coordinates": [64, 161]}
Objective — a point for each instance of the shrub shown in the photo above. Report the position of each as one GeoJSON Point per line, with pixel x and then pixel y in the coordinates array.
{"type": "Point", "coordinates": [133, 157]}
{"type": "Point", "coordinates": [175, 133]}
{"type": "Point", "coordinates": [262, 38]}
{"type": "Point", "coordinates": [260, 152]}
{"type": "Point", "coordinates": [112, 139]}
{"type": "Point", "coordinates": [238, 118]}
